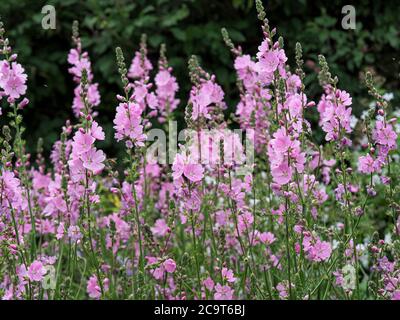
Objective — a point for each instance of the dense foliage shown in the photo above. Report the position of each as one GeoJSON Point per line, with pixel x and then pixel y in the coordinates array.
{"type": "Point", "coordinates": [301, 201]}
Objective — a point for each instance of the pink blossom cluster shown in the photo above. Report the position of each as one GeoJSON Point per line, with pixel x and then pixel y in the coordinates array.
{"type": "Point", "coordinates": [12, 79]}
{"type": "Point", "coordinates": [335, 113]}
{"type": "Point", "coordinates": [84, 155]}
{"type": "Point", "coordinates": [204, 96]}
{"type": "Point", "coordinates": [285, 156]}
{"type": "Point", "coordinates": [384, 140]}
{"type": "Point", "coordinates": [316, 249]}
{"type": "Point", "coordinates": [166, 89]}
{"type": "Point", "coordinates": [79, 61]}
{"type": "Point", "coordinates": [128, 124]}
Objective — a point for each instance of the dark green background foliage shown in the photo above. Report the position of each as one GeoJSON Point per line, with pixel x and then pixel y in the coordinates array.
{"type": "Point", "coordinates": [191, 27]}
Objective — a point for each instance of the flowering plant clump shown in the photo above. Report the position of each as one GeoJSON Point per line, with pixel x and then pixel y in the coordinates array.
{"type": "Point", "coordinates": [265, 211]}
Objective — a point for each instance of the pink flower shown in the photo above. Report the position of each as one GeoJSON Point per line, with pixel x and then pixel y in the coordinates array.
{"type": "Point", "coordinates": [137, 68]}
{"type": "Point", "coordinates": [245, 221]}
{"type": "Point", "coordinates": [338, 278]}
{"type": "Point", "coordinates": [367, 164]}
{"type": "Point", "coordinates": [227, 274]}
{"type": "Point", "coordinates": [282, 174]}
{"type": "Point", "coordinates": [209, 93]}
{"type": "Point", "coordinates": [93, 288]}
{"type": "Point", "coordinates": [93, 97]}
{"type": "Point", "coordinates": [223, 292]}
{"type": "Point", "coordinates": [60, 231]}
{"type": "Point", "coordinates": [194, 172]}
{"type": "Point", "coordinates": [193, 202]}
{"type": "Point", "coordinates": [36, 271]}
{"type": "Point", "coordinates": [293, 83]}
{"type": "Point", "coordinates": [178, 166]}
{"type": "Point", "coordinates": [267, 237]}
{"type": "Point", "coordinates": [73, 56]}
{"type": "Point", "coordinates": [93, 160]}
{"type": "Point", "coordinates": [316, 249]}
{"type": "Point", "coordinates": [281, 142]}
{"type": "Point", "coordinates": [282, 289]}
{"type": "Point", "coordinates": [396, 295]}
{"type": "Point", "coordinates": [12, 79]}
{"type": "Point", "coordinates": [140, 92]}
{"type": "Point", "coordinates": [385, 135]}
{"type": "Point", "coordinates": [128, 124]}
{"type": "Point", "coordinates": [169, 265]}
{"type": "Point", "coordinates": [82, 142]}
{"type": "Point", "coordinates": [164, 101]}
{"type": "Point", "coordinates": [335, 117]}
{"type": "Point", "coordinates": [162, 78]}
{"type": "Point", "coordinates": [243, 62]}
{"type": "Point", "coordinates": [166, 86]}
{"type": "Point", "coordinates": [221, 217]}
{"type": "Point", "coordinates": [385, 265]}
{"type": "Point", "coordinates": [321, 251]}
{"type": "Point", "coordinates": [246, 70]}
{"type": "Point", "coordinates": [80, 61]}
{"type": "Point", "coordinates": [285, 157]}
{"type": "Point", "coordinates": [96, 131]}
{"type": "Point", "coordinates": [158, 273]}
{"type": "Point", "coordinates": [74, 233]}
{"type": "Point", "coordinates": [160, 228]}
{"type": "Point", "coordinates": [343, 98]}
{"type": "Point", "coordinates": [268, 62]}
{"type": "Point", "coordinates": [12, 191]}
{"type": "Point", "coordinates": [181, 166]}
{"type": "Point", "coordinates": [14, 87]}
{"type": "Point", "coordinates": [93, 94]}
{"type": "Point", "coordinates": [209, 283]}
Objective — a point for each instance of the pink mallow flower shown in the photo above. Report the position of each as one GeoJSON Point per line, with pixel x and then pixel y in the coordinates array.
{"type": "Point", "coordinates": [227, 274]}
{"type": "Point", "coordinates": [316, 249]}
{"type": "Point", "coordinates": [74, 233]}
{"type": "Point", "coordinates": [127, 124]}
{"type": "Point", "coordinates": [182, 166]}
{"type": "Point", "coordinates": [12, 79]}
{"type": "Point", "coordinates": [223, 292]}
{"type": "Point", "coordinates": [169, 265]}
{"type": "Point", "coordinates": [160, 228]}
{"type": "Point", "coordinates": [209, 284]}
{"type": "Point", "coordinates": [367, 164]}
{"type": "Point", "coordinates": [267, 237]}
{"type": "Point", "coordinates": [209, 93]}
{"type": "Point", "coordinates": [93, 287]}
{"type": "Point", "coordinates": [93, 160]}
{"type": "Point", "coordinates": [36, 271]}
{"type": "Point", "coordinates": [82, 142]}
{"type": "Point", "coordinates": [385, 135]}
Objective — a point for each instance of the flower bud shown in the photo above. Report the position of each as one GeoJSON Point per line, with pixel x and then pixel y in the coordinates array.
{"type": "Point", "coordinates": [23, 103]}
{"type": "Point", "coordinates": [311, 104]}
